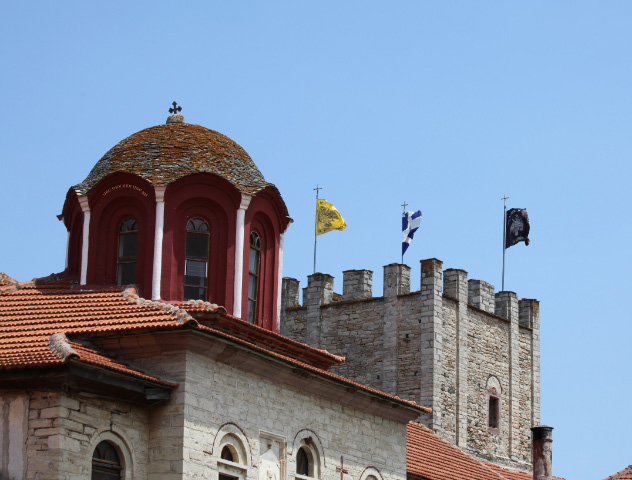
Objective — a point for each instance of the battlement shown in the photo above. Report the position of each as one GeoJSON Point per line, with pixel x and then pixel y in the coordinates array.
{"type": "Point", "coordinates": [451, 282]}
{"type": "Point", "coordinates": [451, 345]}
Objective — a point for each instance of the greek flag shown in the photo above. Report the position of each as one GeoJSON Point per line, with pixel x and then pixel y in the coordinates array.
{"type": "Point", "coordinates": [410, 224]}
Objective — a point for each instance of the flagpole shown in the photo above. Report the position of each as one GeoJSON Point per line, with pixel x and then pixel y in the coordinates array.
{"type": "Point", "coordinates": [504, 199]}
{"type": "Point", "coordinates": [403, 213]}
{"type": "Point", "coordinates": [316, 225]}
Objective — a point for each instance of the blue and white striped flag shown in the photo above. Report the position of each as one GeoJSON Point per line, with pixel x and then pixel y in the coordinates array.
{"type": "Point", "coordinates": [410, 224]}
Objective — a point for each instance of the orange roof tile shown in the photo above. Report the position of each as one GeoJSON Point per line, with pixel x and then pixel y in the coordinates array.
{"type": "Point", "coordinates": [432, 458]}
{"type": "Point", "coordinates": [37, 317]}
{"type": "Point", "coordinates": [513, 474]}
{"type": "Point", "coordinates": [625, 474]}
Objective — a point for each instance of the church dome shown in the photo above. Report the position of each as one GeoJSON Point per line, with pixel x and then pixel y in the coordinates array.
{"type": "Point", "coordinates": [165, 153]}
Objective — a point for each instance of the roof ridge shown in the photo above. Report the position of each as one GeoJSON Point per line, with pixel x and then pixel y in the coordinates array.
{"type": "Point", "coordinates": [614, 476]}
{"type": "Point", "coordinates": [7, 281]}
{"type": "Point", "coordinates": [59, 345]}
{"type": "Point", "coordinates": [180, 314]}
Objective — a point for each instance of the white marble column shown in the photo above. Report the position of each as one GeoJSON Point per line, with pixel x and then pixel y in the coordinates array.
{"type": "Point", "coordinates": [67, 250]}
{"type": "Point", "coordinates": [279, 283]}
{"type": "Point", "coordinates": [85, 208]}
{"type": "Point", "coordinates": [158, 235]}
{"type": "Point", "coordinates": [239, 253]}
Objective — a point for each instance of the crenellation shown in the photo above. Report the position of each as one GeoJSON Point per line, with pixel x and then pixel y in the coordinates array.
{"type": "Point", "coordinates": [439, 346]}
{"type": "Point", "coordinates": [357, 284]}
{"type": "Point", "coordinates": [289, 293]}
{"type": "Point", "coordinates": [396, 279]}
{"type": "Point", "coordinates": [480, 294]}
{"type": "Point", "coordinates": [527, 309]}
{"type": "Point", "coordinates": [452, 282]}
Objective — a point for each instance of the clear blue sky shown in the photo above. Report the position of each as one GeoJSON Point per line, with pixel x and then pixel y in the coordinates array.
{"type": "Point", "coordinates": [446, 105]}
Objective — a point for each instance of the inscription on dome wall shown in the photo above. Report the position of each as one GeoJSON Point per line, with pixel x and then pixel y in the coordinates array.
{"type": "Point", "coordinates": [124, 185]}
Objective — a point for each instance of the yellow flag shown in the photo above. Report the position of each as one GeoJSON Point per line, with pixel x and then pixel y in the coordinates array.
{"type": "Point", "coordinates": [328, 218]}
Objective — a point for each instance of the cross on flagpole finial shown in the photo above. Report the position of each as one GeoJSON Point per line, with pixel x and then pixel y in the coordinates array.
{"type": "Point", "coordinates": [404, 205]}
{"type": "Point", "coordinates": [318, 188]}
{"type": "Point", "coordinates": [175, 108]}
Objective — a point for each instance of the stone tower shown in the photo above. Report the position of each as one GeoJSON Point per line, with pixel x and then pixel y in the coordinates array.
{"type": "Point", "coordinates": [454, 346]}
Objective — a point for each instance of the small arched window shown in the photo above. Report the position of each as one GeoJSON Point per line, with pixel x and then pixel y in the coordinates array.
{"type": "Point", "coordinates": [105, 462]}
{"type": "Point", "coordinates": [196, 260]}
{"type": "Point", "coordinates": [127, 252]}
{"type": "Point", "coordinates": [302, 462]}
{"type": "Point", "coordinates": [493, 411]}
{"type": "Point", "coordinates": [253, 275]}
{"type": "Point", "coordinates": [227, 454]}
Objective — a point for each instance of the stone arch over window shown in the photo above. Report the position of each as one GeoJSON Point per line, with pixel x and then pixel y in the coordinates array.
{"type": "Point", "coordinates": [308, 454]}
{"type": "Point", "coordinates": [494, 404]}
{"type": "Point", "coordinates": [371, 473]}
{"type": "Point", "coordinates": [109, 457]}
{"type": "Point", "coordinates": [231, 441]}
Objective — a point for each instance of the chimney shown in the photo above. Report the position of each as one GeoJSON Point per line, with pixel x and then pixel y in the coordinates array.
{"type": "Point", "coordinates": [542, 452]}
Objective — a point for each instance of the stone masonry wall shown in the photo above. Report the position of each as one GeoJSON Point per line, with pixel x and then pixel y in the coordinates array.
{"type": "Point", "coordinates": [444, 346]}
{"type": "Point", "coordinates": [361, 335]}
{"type": "Point", "coordinates": [262, 412]}
{"type": "Point", "coordinates": [62, 430]}
{"type": "Point", "coordinates": [488, 338]}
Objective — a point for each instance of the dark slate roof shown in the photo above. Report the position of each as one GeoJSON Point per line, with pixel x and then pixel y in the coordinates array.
{"type": "Point", "coordinates": [165, 153]}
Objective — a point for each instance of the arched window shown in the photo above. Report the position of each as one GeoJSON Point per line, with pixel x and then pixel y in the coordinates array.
{"type": "Point", "coordinates": [308, 459]}
{"type": "Point", "coordinates": [196, 260]}
{"type": "Point", "coordinates": [127, 251]}
{"type": "Point", "coordinates": [493, 411]}
{"type": "Point", "coordinates": [227, 454]}
{"type": "Point", "coordinates": [302, 462]}
{"type": "Point", "coordinates": [493, 405]}
{"type": "Point", "coordinates": [105, 462]}
{"type": "Point", "coordinates": [253, 275]}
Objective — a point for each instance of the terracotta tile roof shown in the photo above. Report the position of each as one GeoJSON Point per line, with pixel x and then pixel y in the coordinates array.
{"type": "Point", "coordinates": [316, 370]}
{"type": "Point", "coordinates": [432, 458]}
{"type": "Point", "coordinates": [261, 336]}
{"type": "Point", "coordinates": [37, 317]}
{"type": "Point", "coordinates": [165, 153]}
{"type": "Point", "coordinates": [625, 474]}
{"type": "Point", "coordinates": [513, 474]}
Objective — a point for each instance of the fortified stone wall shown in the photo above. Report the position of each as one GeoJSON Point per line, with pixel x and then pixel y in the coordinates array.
{"type": "Point", "coordinates": [450, 346]}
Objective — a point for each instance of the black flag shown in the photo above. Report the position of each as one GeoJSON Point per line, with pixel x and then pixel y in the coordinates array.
{"type": "Point", "coordinates": [517, 227]}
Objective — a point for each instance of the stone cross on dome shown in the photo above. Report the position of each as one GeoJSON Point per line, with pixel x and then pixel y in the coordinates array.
{"type": "Point", "coordinates": [175, 108]}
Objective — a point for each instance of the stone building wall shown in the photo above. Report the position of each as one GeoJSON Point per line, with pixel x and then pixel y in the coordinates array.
{"type": "Point", "coordinates": [260, 412]}
{"type": "Point", "coordinates": [446, 346]}
{"type": "Point", "coordinates": [61, 431]}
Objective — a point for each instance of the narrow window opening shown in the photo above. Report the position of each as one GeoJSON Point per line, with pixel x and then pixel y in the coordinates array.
{"type": "Point", "coordinates": [127, 252]}
{"type": "Point", "coordinates": [494, 412]}
{"type": "Point", "coordinates": [105, 462]}
{"type": "Point", "coordinates": [302, 462]}
{"type": "Point", "coordinates": [196, 260]}
{"type": "Point", "coordinates": [253, 276]}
